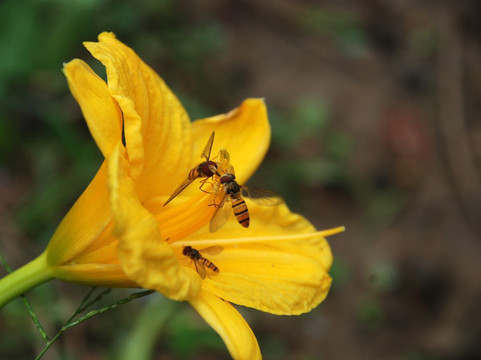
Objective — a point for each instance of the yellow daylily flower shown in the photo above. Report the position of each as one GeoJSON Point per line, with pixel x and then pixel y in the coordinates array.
{"type": "Point", "coordinates": [119, 234]}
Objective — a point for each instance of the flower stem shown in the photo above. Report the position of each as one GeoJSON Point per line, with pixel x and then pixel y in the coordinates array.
{"type": "Point", "coordinates": [28, 276]}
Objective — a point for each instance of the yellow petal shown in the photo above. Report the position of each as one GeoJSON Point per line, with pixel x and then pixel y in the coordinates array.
{"type": "Point", "coordinates": [94, 274]}
{"type": "Point", "coordinates": [229, 324]}
{"type": "Point", "coordinates": [185, 217]}
{"type": "Point", "coordinates": [244, 132]}
{"type": "Point", "coordinates": [278, 265]}
{"type": "Point", "coordinates": [100, 110]}
{"type": "Point", "coordinates": [85, 221]}
{"type": "Point", "coordinates": [145, 257]}
{"type": "Point", "coordinates": [157, 128]}
{"type": "Point", "coordinates": [103, 250]}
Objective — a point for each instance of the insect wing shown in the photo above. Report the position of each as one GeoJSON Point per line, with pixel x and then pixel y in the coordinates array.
{"type": "Point", "coordinates": [200, 269]}
{"type": "Point", "coordinates": [225, 166]}
{"type": "Point", "coordinates": [212, 250]}
{"type": "Point", "coordinates": [229, 170]}
{"type": "Point", "coordinates": [181, 187]}
{"type": "Point", "coordinates": [224, 155]}
{"type": "Point", "coordinates": [262, 196]}
{"type": "Point", "coordinates": [221, 214]}
{"type": "Point", "coordinates": [208, 146]}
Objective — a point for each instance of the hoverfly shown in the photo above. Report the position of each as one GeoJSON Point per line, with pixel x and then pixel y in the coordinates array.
{"type": "Point", "coordinates": [205, 169]}
{"type": "Point", "coordinates": [234, 193]}
{"type": "Point", "coordinates": [200, 262]}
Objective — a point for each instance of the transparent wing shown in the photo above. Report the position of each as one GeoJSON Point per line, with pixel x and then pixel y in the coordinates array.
{"type": "Point", "coordinates": [229, 170]}
{"type": "Point", "coordinates": [262, 196]}
{"type": "Point", "coordinates": [200, 269]}
{"type": "Point", "coordinates": [224, 162]}
{"type": "Point", "coordinates": [224, 155]}
{"type": "Point", "coordinates": [208, 146]}
{"type": "Point", "coordinates": [212, 250]}
{"type": "Point", "coordinates": [186, 261]}
{"type": "Point", "coordinates": [221, 214]}
{"type": "Point", "coordinates": [216, 187]}
{"type": "Point", "coordinates": [181, 187]}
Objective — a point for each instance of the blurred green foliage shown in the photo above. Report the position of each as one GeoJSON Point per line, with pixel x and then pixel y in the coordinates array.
{"type": "Point", "coordinates": [307, 149]}
{"type": "Point", "coordinates": [370, 312]}
{"type": "Point", "coordinates": [344, 27]}
{"type": "Point", "coordinates": [170, 325]}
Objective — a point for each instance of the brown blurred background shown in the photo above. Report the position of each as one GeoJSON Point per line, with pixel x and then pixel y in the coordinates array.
{"type": "Point", "coordinates": [374, 106]}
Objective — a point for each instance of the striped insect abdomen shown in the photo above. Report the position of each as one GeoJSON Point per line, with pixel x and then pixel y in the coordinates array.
{"type": "Point", "coordinates": [209, 264]}
{"type": "Point", "coordinates": [240, 211]}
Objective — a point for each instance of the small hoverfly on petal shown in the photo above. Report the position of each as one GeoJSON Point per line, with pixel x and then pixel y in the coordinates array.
{"type": "Point", "coordinates": [200, 262]}
{"type": "Point", "coordinates": [205, 169]}
{"type": "Point", "coordinates": [233, 193]}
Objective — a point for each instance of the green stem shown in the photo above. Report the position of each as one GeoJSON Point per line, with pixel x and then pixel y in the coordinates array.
{"type": "Point", "coordinates": [27, 277]}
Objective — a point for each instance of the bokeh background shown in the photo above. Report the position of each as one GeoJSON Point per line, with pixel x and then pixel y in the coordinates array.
{"type": "Point", "coordinates": [375, 110]}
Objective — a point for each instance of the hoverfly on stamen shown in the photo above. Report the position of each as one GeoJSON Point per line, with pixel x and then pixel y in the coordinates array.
{"type": "Point", "coordinates": [200, 262]}
{"type": "Point", "coordinates": [205, 169]}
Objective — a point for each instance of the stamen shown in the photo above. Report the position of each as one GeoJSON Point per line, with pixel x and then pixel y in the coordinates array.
{"type": "Point", "coordinates": [323, 233]}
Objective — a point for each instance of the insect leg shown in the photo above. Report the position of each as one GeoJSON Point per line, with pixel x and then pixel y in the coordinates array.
{"type": "Point", "coordinates": [203, 182]}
